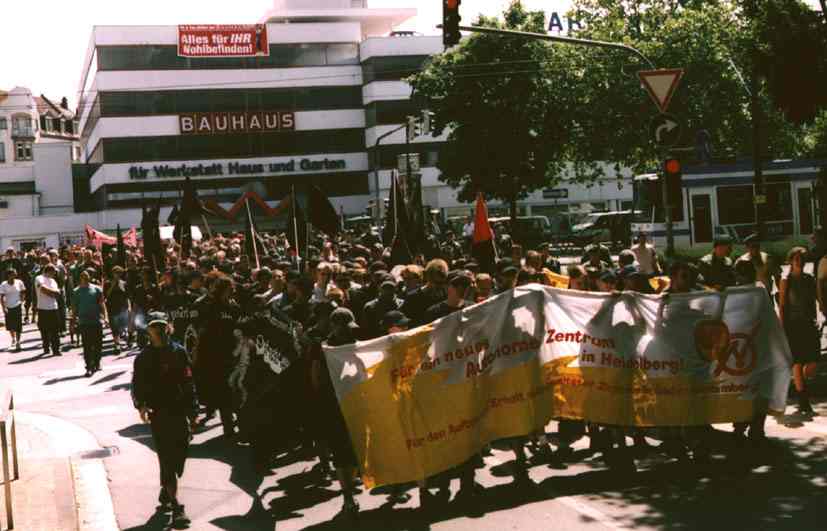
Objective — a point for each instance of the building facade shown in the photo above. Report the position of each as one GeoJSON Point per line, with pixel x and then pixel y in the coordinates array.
{"type": "Point", "coordinates": [321, 82]}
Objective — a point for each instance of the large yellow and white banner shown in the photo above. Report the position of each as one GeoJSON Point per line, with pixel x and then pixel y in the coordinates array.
{"type": "Point", "coordinates": [420, 402]}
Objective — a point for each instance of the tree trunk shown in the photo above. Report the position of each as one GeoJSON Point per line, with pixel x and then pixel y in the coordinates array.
{"type": "Point", "coordinates": [512, 206]}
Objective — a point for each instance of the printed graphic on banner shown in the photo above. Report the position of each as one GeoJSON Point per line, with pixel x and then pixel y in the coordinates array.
{"type": "Point", "coordinates": [233, 40]}
{"type": "Point", "coordinates": [423, 401]}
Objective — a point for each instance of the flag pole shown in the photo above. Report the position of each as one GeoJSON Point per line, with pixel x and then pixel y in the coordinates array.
{"type": "Point", "coordinates": [206, 225]}
{"type": "Point", "coordinates": [295, 225]}
{"type": "Point", "coordinates": [252, 231]}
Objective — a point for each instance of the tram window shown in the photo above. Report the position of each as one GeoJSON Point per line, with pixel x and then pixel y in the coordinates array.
{"type": "Point", "coordinates": [735, 205]}
{"type": "Point", "coordinates": [779, 202]}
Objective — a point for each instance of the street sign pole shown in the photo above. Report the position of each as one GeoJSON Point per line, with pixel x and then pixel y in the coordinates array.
{"type": "Point", "coordinates": [667, 213]}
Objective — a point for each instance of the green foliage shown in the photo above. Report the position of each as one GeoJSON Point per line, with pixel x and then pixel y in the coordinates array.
{"type": "Point", "coordinates": [523, 113]}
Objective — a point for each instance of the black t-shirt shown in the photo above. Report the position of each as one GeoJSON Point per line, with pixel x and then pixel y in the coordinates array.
{"type": "Point", "coordinates": [419, 302]}
{"type": "Point", "coordinates": [116, 297]}
{"type": "Point", "coordinates": [181, 309]}
{"type": "Point", "coordinates": [440, 310]}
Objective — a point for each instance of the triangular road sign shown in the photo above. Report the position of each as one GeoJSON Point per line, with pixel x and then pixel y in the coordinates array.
{"type": "Point", "coordinates": [661, 85]}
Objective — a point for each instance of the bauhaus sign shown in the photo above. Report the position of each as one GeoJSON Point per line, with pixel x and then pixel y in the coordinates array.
{"type": "Point", "coordinates": [222, 123]}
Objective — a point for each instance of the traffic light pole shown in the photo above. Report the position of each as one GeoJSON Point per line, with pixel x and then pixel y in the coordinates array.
{"type": "Point", "coordinates": [667, 214]}
{"type": "Point", "coordinates": [378, 159]}
{"type": "Point", "coordinates": [556, 38]}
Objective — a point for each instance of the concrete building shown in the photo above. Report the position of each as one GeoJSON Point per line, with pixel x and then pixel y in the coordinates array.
{"type": "Point", "coordinates": [300, 98]}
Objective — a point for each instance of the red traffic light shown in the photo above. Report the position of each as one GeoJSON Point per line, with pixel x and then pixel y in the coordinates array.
{"type": "Point", "coordinates": [452, 4]}
{"type": "Point", "coordinates": [672, 166]}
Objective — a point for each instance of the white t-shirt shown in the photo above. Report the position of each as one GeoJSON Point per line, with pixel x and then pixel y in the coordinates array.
{"type": "Point", "coordinates": [45, 302]}
{"type": "Point", "coordinates": [645, 257]}
{"type": "Point", "coordinates": [12, 292]}
{"type": "Point", "coordinates": [468, 230]}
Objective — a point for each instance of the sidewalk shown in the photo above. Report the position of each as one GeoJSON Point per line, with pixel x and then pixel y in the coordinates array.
{"type": "Point", "coordinates": [62, 485]}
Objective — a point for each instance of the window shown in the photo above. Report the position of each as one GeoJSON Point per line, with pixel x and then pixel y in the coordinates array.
{"type": "Point", "coordinates": [194, 147]}
{"type": "Point", "coordinates": [184, 101]}
{"type": "Point", "coordinates": [45, 123]}
{"type": "Point", "coordinates": [392, 68]}
{"type": "Point", "coordinates": [22, 126]}
{"type": "Point", "coordinates": [76, 153]}
{"type": "Point", "coordinates": [57, 125]}
{"type": "Point", "coordinates": [2, 152]}
{"type": "Point", "coordinates": [735, 205]}
{"type": "Point", "coordinates": [4, 124]}
{"type": "Point", "coordinates": [779, 205]}
{"type": "Point", "coordinates": [23, 151]}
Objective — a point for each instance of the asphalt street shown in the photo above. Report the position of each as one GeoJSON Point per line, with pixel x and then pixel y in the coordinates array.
{"type": "Point", "coordinates": [777, 488]}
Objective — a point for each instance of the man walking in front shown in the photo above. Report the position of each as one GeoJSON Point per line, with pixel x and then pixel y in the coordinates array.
{"type": "Point", "coordinates": [11, 300]}
{"type": "Point", "coordinates": [48, 315]}
{"type": "Point", "coordinates": [87, 310]}
{"type": "Point", "coordinates": [163, 391]}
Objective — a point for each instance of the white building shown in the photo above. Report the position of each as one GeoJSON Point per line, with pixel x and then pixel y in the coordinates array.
{"type": "Point", "coordinates": [38, 143]}
{"type": "Point", "coordinates": [306, 107]}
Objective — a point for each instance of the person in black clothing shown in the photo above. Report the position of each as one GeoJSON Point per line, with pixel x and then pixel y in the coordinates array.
{"type": "Point", "coordinates": [335, 433]}
{"type": "Point", "coordinates": [417, 304]}
{"type": "Point", "coordinates": [214, 353]}
{"type": "Point", "coordinates": [164, 394]}
{"type": "Point", "coordinates": [117, 306]}
{"type": "Point", "coordinates": [458, 285]}
{"type": "Point", "coordinates": [299, 309]}
{"type": "Point", "coordinates": [378, 307]}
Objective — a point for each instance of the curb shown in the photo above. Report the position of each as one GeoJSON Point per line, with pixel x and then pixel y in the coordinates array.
{"type": "Point", "coordinates": [93, 500]}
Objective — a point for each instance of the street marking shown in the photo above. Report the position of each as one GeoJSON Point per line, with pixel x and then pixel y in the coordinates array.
{"type": "Point", "coordinates": [93, 499]}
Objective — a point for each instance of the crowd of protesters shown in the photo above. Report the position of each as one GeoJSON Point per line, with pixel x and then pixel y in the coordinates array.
{"type": "Point", "coordinates": [237, 333]}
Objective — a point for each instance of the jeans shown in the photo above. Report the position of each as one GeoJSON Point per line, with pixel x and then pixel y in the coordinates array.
{"type": "Point", "coordinates": [49, 323]}
{"type": "Point", "coordinates": [92, 336]}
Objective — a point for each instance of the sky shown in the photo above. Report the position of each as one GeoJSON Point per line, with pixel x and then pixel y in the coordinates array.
{"type": "Point", "coordinates": [44, 42]}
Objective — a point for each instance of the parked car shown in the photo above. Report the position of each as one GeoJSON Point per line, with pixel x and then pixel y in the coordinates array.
{"type": "Point", "coordinates": [601, 227]}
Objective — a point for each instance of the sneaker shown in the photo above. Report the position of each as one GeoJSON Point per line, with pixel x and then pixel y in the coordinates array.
{"type": "Point", "coordinates": [18, 348]}
{"type": "Point", "coordinates": [180, 518]}
{"type": "Point", "coordinates": [165, 502]}
{"type": "Point", "coordinates": [350, 509]}
{"type": "Point", "coordinates": [89, 373]}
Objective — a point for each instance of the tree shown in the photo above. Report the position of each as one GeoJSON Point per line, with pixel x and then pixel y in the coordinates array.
{"type": "Point", "coordinates": [508, 105]}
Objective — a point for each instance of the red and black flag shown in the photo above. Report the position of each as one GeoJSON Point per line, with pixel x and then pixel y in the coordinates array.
{"type": "Point", "coordinates": [483, 249]}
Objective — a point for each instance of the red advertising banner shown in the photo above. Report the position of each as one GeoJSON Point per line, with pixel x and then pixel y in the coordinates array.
{"type": "Point", "coordinates": [232, 40]}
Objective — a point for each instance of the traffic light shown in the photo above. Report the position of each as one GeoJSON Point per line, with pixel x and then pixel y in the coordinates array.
{"type": "Point", "coordinates": [450, 22]}
{"type": "Point", "coordinates": [426, 122]}
{"type": "Point", "coordinates": [413, 129]}
{"type": "Point", "coordinates": [673, 175]}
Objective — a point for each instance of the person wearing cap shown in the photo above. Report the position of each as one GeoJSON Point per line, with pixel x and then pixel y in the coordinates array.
{"type": "Point", "coordinates": [766, 270]}
{"type": "Point", "coordinates": [485, 287]}
{"type": "Point", "coordinates": [717, 267]}
{"type": "Point", "coordinates": [164, 394]}
{"type": "Point", "coordinates": [88, 310]}
{"type": "Point", "coordinates": [12, 292]}
{"type": "Point", "coordinates": [394, 322]}
{"type": "Point", "coordinates": [645, 255]}
{"type": "Point", "coordinates": [458, 286]}
{"type": "Point", "coordinates": [507, 275]}
{"type": "Point", "coordinates": [376, 309]}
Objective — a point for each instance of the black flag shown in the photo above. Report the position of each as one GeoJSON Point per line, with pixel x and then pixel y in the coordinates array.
{"type": "Point", "coordinates": [416, 220]}
{"type": "Point", "coordinates": [296, 228]}
{"type": "Point", "coordinates": [121, 253]}
{"type": "Point", "coordinates": [153, 255]}
{"type": "Point", "coordinates": [173, 216]}
{"type": "Point", "coordinates": [190, 206]}
{"type": "Point", "coordinates": [320, 212]}
{"type": "Point", "coordinates": [399, 226]}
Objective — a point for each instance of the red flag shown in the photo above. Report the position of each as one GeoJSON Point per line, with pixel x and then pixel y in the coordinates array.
{"type": "Point", "coordinates": [482, 229]}
{"type": "Point", "coordinates": [483, 249]}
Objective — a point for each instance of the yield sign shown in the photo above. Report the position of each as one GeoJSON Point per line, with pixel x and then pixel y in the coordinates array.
{"type": "Point", "coordinates": [661, 85]}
